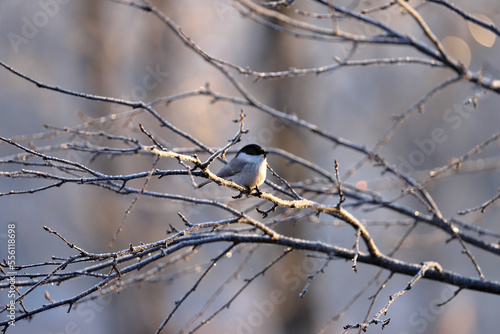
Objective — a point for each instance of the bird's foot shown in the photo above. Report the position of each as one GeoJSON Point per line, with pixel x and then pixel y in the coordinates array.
{"type": "Point", "coordinates": [238, 196]}
{"type": "Point", "coordinates": [257, 191]}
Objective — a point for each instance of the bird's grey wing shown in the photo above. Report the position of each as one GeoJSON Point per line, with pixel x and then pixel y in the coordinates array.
{"type": "Point", "coordinates": [231, 169]}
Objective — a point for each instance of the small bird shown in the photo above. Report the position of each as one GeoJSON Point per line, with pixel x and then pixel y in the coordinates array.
{"type": "Point", "coordinates": [248, 168]}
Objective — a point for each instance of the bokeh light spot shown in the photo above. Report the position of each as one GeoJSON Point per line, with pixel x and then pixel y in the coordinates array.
{"type": "Point", "coordinates": [361, 185]}
{"type": "Point", "coordinates": [458, 49]}
{"type": "Point", "coordinates": [480, 34]}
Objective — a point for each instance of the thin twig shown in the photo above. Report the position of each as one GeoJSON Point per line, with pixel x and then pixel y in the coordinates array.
{"type": "Point", "coordinates": [376, 319]}
{"type": "Point", "coordinates": [248, 281]}
{"type": "Point", "coordinates": [136, 198]}
{"type": "Point", "coordinates": [179, 302]}
{"type": "Point", "coordinates": [482, 207]}
{"type": "Point", "coordinates": [310, 278]}
{"type": "Point", "coordinates": [356, 248]}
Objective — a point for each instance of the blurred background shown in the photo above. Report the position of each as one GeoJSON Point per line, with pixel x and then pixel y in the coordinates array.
{"type": "Point", "coordinates": [108, 49]}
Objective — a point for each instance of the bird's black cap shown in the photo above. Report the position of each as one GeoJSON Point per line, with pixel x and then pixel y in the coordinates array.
{"type": "Point", "coordinates": [252, 149]}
